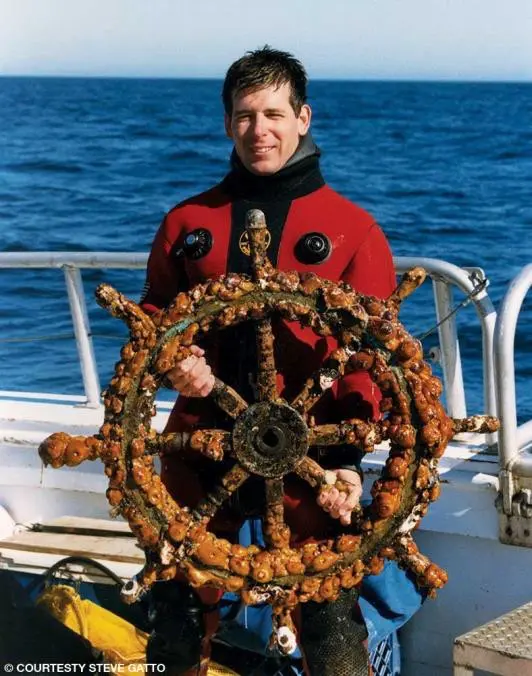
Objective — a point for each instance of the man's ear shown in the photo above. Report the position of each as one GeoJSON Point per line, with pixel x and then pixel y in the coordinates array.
{"type": "Point", "coordinates": [227, 123]}
{"type": "Point", "coordinates": [303, 120]}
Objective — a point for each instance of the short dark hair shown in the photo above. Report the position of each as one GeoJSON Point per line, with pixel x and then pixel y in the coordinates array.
{"type": "Point", "coordinates": [265, 67]}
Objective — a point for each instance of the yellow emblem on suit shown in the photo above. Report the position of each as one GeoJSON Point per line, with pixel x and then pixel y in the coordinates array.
{"type": "Point", "coordinates": [243, 242]}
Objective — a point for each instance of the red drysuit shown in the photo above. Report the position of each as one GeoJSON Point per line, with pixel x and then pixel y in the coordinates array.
{"type": "Point", "coordinates": [296, 201]}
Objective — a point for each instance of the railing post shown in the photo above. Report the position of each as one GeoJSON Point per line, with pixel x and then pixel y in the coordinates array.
{"type": "Point", "coordinates": [504, 360]}
{"type": "Point", "coordinates": [515, 476]}
{"type": "Point", "coordinates": [450, 351]}
{"type": "Point", "coordinates": [80, 320]}
{"type": "Point", "coordinates": [488, 317]}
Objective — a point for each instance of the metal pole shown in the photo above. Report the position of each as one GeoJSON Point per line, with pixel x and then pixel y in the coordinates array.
{"type": "Point", "coordinates": [505, 367]}
{"type": "Point", "coordinates": [80, 320]}
{"type": "Point", "coordinates": [488, 317]}
{"type": "Point", "coordinates": [450, 351]}
{"type": "Point", "coordinates": [488, 367]}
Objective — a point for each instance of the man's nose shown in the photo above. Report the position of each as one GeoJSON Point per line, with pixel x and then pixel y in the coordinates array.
{"type": "Point", "coordinates": [259, 125]}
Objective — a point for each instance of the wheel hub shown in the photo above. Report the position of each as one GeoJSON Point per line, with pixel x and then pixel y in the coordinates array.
{"type": "Point", "coordinates": [270, 439]}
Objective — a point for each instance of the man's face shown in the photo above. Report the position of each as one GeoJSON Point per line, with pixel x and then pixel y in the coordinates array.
{"type": "Point", "coordinates": [265, 129]}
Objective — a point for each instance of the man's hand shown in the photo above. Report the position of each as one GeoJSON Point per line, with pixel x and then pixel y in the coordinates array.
{"type": "Point", "coordinates": [338, 503]}
{"type": "Point", "coordinates": [192, 377]}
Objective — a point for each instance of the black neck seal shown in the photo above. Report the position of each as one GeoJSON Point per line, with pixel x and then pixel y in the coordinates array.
{"type": "Point", "coordinates": [300, 176]}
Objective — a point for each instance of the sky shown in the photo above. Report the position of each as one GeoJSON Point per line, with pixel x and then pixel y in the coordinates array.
{"type": "Point", "coordinates": [354, 39]}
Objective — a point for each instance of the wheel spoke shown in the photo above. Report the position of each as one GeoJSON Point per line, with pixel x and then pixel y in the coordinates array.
{"type": "Point", "coordinates": [259, 240]}
{"type": "Point", "coordinates": [320, 381]}
{"type": "Point", "coordinates": [358, 433]}
{"type": "Point", "coordinates": [276, 532]}
{"type": "Point", "coordinates": [410, 281]}
{"type": "Point", "coordinates": [479, 424]}
{"type": "Point", "coordinates": [138, 322]}
{"type": "Point", "coordinates": [313, 473]}
{"type": "Point", "coordinates": [227, 485]}
{"type": "Point", "coordinates": [266, 372]}
{"type": "Point", "coordinates": [228, 399]}
{"type": "Point", "coordinates": [211, 443]}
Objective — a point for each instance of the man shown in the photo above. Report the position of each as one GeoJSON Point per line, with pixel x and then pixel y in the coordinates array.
{"type": "Point", "coordinates": [275, 168]}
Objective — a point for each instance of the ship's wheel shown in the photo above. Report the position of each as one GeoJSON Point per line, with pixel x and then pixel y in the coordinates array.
{"type": "Point", "coordinates": [271, 438]}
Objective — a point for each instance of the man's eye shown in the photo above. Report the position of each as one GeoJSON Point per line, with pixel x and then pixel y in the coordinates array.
{"type": "Point", "coordinates": [275, 116]}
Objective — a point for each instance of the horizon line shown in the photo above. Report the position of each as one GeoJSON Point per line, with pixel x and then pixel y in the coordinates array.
{"type": "Point", "coordinates": [337, 78]}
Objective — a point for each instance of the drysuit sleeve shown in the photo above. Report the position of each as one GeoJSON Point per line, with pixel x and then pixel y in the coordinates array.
{"type": "Point", "coordinates": [165, 274]}
{"type": "Point", "coordinates": [370, 272]}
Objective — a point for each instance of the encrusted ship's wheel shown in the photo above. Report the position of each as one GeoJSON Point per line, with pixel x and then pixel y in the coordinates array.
{"type": "Point", "coordinates": [271, 437]}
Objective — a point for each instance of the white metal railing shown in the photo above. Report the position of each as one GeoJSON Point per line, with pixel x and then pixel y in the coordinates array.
{"type": "Point", "coordinates": [444, 277]}
{"type": "Point", "coordinates": [71, 264]}
{"type": "Point", "coordinates": [512, 439]}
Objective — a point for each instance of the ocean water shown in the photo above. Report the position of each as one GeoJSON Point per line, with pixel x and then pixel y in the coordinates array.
{"type": "Point", "coordinates": [93, 164]}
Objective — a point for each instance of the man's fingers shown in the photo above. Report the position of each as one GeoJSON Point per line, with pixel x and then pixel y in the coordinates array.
{"type": "Point", "coordinates": [192, 377]}
{"type": "Point", "coordinates": [199, 369]}
{"type": "Point", "coordinates": [339, 503]}
{"type": "Point", "coordinates": [200, 376]}
{"type": "Point", "coordinates": [207, 388]}
{"type": "Point", "coordinates": [201, 381]}
{"type": "Point", "coordinates": [352, 500]}
{"type": "Point", "coordinates": [200, 386]}
{"type": "Point", "coordinates": [327, 498]}
{"type": "Point", "coordinates": [187, 364]}
{"type": "Point", "coordinates": [341, 506]}
{"type": "Point", "coordinates": [176, 378]}
{"type": "Point", "coordinates": [197, 351]}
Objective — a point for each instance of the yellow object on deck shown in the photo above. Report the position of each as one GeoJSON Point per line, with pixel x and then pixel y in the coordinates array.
{"type": "Point", "coordinates": [121, 643]}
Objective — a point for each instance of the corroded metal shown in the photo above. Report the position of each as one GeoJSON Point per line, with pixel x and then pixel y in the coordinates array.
{"type": "Point", "coordinates": [276, 531]}
{"type": "Point", "coordinates": [229, 483]}
{"type": "Point", "coordinates": [266, 382]}
{"type": "Point", "coordinates": [138, 322]}
{"type": "Point", "coordinates": [271, 438]}
{"type": "Point", "coordinates": [322, 380]}
{"type": "Point", "coordinates": [62, 449]}
{"type": "Point", "coordinates": [479, 424]}
{"type": "Point", "coordinates": [427, 574]}
{"type": "Point", "coordinates": [259, 239]}
{"type": "Point", "coordinates": [410, 281]}
{"type": "Point", "coordinates": [358, 433]}
{"type": "Point", "coordinates": [228, 399]}
{"type": "Point", "coordinates": [210, 443]}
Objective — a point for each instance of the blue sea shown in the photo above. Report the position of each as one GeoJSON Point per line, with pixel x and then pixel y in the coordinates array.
{"type": "Point", "coordinates": [93, 164]}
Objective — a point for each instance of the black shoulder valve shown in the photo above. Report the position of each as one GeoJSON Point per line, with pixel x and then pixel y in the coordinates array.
{"type": "Point", "coordinates": [196, 244]}
{"type": "Point", "coordinates": [313, 248]}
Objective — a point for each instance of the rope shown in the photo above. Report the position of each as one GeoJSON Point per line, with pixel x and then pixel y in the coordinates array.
{"type": "Point", "coordinates": [59, 336]}
{"type": "Point", "coordinates": [46, 579]}
{"type": "Point", "coordinates": [476, 290]}
{"type": "Point", "coordinates": [69, 336]}
{"type": "Point", "coordinates": [83, 560]}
